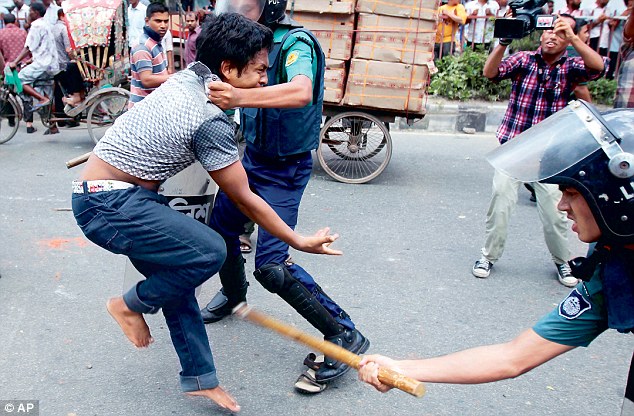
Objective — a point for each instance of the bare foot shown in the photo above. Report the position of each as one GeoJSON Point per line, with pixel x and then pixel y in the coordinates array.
{"type": "Point", "coordinates": [219, 396]}
{"type": "Point", "coordinates": [132, 323]}
{"type": "Point", "coordinates": [72, 101]}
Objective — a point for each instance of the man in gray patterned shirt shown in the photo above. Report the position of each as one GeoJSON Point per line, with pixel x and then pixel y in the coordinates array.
{"type": "Point", "coordinates": [117, 206]}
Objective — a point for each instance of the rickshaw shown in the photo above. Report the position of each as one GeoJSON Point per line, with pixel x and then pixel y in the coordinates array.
{"type": "Point", "coordinates": [100, 48]}
{"type": "Point", "coordinates": [98, 31]}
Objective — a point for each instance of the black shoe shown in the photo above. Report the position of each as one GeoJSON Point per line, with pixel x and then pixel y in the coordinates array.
{"type": "Point", "coordinates": [218, 307]}
{"type": "Point", "coordinates": [11, 121]}
{"type": "Point", "coordinates": [353, 341]}
{"type": "Point", "coordinates": [31, 130]}
{"type": "Point", "coordinates": [71, 124]}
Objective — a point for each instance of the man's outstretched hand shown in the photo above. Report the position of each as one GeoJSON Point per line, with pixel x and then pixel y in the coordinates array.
{"type": "Point", "coordinates": [319, 243]}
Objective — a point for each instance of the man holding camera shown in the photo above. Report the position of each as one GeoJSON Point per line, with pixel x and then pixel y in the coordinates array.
{"type": "Point", "coordinates": [542, 82]}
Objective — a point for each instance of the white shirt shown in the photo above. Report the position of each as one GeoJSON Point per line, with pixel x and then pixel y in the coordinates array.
{"type": "Point", "coordinates": [602, 29]}
{"type": "Point", "coordinates": [21, 15]}
{"type": "Point", "coordinates": [573, 13]}
{"type": "Point", "coordinates": [617, 34]}
{"type": "Point", "coordinates": [136, 21]}
{"type": "Point", "coordinates": [481, 34]}
{"type": "Point", "coordinates": [41, 42]}
{"type": "Point", "coordinates": [51, 14]}
{"type": "Point", "coordinates": [167, 42]}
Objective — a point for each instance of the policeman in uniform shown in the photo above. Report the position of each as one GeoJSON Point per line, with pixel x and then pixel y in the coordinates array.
{"type": "Point", "coordinates": [591, 157]}
{"type": "Point", "coordinates": [280, 124]}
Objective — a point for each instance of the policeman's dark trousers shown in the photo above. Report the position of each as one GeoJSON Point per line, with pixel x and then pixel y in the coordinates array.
{"type": "Point", "coordinates": [281, 183]}
{"type": "Point", "coordinates": [174, 252]}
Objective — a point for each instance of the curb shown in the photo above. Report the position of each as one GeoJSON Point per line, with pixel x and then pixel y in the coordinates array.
{"type": "Point", "coordinates": [453, 117]}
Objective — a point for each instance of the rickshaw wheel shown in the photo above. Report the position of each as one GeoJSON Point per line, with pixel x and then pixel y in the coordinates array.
{"type": "Point", "coordinates": [103, 112]}
{"type": "Point", "coordinates": [354, 147]}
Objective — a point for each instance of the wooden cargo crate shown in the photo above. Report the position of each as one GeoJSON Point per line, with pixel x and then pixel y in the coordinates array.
{"type": "Point", "coordinates": [322, 6]}
{"type": "Point", "coordinates": [387, 85]}
{"type": "Point", "coordinates": [394, 39]}
{"type": "Point", "coordinates": [334, 81]}
{"type": "Point", "coordinates": [417, 9]}
{"type": "Point", "coordinates": [334, 32]}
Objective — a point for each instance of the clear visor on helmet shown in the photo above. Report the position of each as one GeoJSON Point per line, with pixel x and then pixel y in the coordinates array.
{"type": "Point", "coordinates": [248, 8]}
{"type": "Point", "coordinates": [553, 145]}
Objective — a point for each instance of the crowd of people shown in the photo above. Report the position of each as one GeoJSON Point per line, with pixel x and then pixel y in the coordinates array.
{"type": "Point", "coordinates": [36, 44]}
{"type": "Point", "coordinates": [470, 24]}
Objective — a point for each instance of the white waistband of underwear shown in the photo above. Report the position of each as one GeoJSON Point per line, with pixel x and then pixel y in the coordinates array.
{"type": "Point", "coordinates": [105, 185]}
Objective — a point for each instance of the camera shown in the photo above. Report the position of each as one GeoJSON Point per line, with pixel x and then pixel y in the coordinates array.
{"type": "Point", "coordinates": [527, 16]}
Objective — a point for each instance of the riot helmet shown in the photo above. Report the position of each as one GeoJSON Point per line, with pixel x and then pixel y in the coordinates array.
{"type": "Point", "coordinates": [583, 149]}
{"type": "Point", "coordinates": [267, 12]}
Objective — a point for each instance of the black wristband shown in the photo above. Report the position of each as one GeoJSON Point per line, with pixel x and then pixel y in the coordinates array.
{"type": "Point", "coordinates": [505, 41]}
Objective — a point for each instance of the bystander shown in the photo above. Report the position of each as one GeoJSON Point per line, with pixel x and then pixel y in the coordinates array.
{"type": "Point", "coordinates": [191, 19]}
{"type": "Point", "coordinates": [148, 65]}
{"type": "Point", "coordinates": [625, 83]}
{"type": "Point", "coordinates": [12, 39]}
{"type": "Point", "coordinates": [21, 13]}
{"type": "Point", "coordinates": [450, 17]}
{"type": "Point", "coordinates": [542, 82]}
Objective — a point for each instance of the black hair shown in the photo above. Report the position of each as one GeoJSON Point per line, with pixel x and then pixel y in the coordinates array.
{"type": "Point", "coordinates": [39, 8]}
{"type": "Point", "coordinates": [156, 7]}
{"type": "Point", "coordinates": [579, 23]}
{"type": "Point", "coordinates": [8, 18]}
{"type": "Point", "coordinates": [569, 16]}
{"type": "Point", "coordinates": [231, 37]}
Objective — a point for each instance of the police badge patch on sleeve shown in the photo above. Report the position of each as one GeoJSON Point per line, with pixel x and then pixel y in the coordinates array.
{"type": "Point", "coordinates": [574, 305]}
{"type": "Point", "coordinates": [292, 58]}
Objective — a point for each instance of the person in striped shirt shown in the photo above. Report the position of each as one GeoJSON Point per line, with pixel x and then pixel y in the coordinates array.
{"type": "Point", "coordinates": [148, 65]}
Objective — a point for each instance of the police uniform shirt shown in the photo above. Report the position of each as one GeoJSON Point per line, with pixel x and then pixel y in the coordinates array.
{"type": "Point", "coordinates": [297, 56]}
{"type": "Point", "coordinates": [171, 129]}
{"type": "Point", "coordinates": [579, 318]}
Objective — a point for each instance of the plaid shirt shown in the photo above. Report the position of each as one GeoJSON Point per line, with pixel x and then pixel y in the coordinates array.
{"type": "Point", "coordinates": [538, 90]}
{"type": "Point", "coordinates": [625, 84]}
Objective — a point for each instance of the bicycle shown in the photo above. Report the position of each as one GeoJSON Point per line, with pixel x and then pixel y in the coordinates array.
{"type": "Point", "coordinates": [12, 111]}
{"type": "Point", "coordinates": [98, 110]}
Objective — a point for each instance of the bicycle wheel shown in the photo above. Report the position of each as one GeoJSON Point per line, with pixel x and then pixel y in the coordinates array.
{"type": "Point", "coordinates": [45, 115]}
{"type": "Point", "coordinates": [354, 147]}
{"type": "Point", "coordinates": [9, 116]}
{"type": "Point", "coordinates": [103, 112]}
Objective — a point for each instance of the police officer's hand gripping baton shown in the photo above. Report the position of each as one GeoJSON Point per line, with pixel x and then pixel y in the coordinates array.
{"type": "Point", "coordinates": [387, 377]}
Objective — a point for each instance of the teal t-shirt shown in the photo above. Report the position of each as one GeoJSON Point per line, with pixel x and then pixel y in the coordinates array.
{"type": "Point", "coordinates": [298, 55]}
{"type": "Point", "coordinates": [579, 318]}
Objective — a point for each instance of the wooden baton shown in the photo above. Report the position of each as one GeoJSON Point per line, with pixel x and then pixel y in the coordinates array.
{"type": "Point", "coordinates": [387, 377]}
{"type": "Point", "coordinates": [78, 160]}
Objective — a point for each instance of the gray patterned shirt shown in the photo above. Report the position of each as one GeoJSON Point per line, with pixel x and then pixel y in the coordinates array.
{"type": "Point", "coordinates": [171, 129]}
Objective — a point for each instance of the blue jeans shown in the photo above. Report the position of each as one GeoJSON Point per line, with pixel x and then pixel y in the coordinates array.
{"type": "Point", "coordinates": [174, 252]}
{"type": "Point", "coordinates": [281, 183]}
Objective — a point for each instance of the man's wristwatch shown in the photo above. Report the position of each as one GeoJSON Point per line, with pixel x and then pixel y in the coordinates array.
{"type": "Point", "coordinates": [505, 41]}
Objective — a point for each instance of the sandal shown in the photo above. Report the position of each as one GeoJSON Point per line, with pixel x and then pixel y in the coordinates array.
{"type": "Point", "coordinates": [40, 105]}
{"type": "Point", "coordinates": [246, 246]}
{"type": "Point", "coordinates": [306, 382]}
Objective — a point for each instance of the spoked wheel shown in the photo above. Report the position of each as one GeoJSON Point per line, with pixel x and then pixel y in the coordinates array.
{"type": "Point", "coordinates": [354, 147]}
{"type": "Point", "coordinates": [45, 115]}
{"type": "Point", "coordinates": [9, 117]}
{"type": "Point", "coordinates": [103, 112]}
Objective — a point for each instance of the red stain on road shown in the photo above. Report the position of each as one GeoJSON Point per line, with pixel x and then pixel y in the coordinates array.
{"type": "Point", "coordinates": [63, 244]}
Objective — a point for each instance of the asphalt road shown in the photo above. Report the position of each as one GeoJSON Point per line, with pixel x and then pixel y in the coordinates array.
{"type": "Point", "coordinates": [410, 238]}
